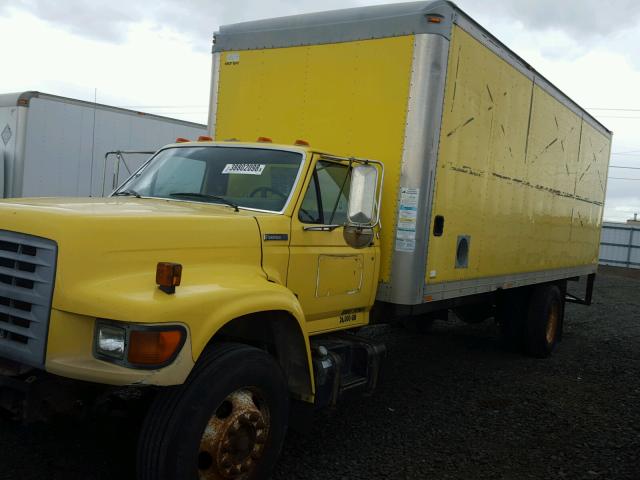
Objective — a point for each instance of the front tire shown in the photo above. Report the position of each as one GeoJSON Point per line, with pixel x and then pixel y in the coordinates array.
{"type": "Point", "coordinates": [227, 421]}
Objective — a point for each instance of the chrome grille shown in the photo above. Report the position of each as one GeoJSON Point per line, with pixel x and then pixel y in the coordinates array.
{"type": "Point", "coordinates": [27, 272]}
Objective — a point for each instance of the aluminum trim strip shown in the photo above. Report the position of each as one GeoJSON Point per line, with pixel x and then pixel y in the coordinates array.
{"type": "Point", "coordinates": [337, 26]}
{"type": "Point", "coordinates": [419, 158]}
{"type": "Point", "coordinates": [448, 290]}
{"type": "Point", "coordinates": [213, 98]}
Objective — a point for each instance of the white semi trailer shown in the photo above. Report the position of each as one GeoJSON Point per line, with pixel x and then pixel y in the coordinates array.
{"type": "Point", "coordinates": [56, 146]}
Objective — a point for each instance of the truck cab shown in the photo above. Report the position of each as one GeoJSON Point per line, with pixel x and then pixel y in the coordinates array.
{"type": "Point", "coordinates": [208, 247]}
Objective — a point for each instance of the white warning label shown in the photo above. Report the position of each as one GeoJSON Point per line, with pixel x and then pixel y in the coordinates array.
{"type": "Point", "coordinates": [243, 168]}
{"type": "Point", "coordinates": [407, 219]}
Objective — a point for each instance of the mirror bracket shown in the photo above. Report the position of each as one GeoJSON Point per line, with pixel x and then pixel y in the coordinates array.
{"type": "Point", "coordinates": [360, 234]}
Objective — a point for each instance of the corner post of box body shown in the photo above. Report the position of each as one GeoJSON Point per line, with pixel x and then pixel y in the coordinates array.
{"type": "Point", "coordinates": [213, 97]}
{"type": "Point", "coordinates": [419, 157]}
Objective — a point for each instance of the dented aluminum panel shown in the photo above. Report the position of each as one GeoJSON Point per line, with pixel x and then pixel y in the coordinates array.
{"type": "Point", "coordinates": [520, 174]}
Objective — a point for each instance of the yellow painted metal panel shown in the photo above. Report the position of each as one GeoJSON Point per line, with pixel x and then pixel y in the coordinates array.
{"type": "Point", "coordinates": [339, 275]}
{"type": "Point", "coordinates": [107, 274]}
{"type": "Point", "coordinates": [509, 162]}
{"type": "Point", "coordinates": [275, 253]}
{"type": "Point", "coordinates": [347, 99]}
{"type": "Point", "coordinates": [328, 277]}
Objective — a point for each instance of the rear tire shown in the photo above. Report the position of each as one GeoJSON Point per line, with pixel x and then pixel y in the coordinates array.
{"type": "Point", "coordinates": [228, 420]}
{"type": "Point", "coordinates": [543, 327]}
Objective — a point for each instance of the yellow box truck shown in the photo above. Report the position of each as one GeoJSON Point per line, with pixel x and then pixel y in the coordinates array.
{"type": "Point", "coordinates": [364, 165]}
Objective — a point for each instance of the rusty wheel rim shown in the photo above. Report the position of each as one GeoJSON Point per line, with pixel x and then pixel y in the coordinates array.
{"type": "Point", "coordinates": [233, 441]}
{"type": "Point", "coordinates": [552, 324]}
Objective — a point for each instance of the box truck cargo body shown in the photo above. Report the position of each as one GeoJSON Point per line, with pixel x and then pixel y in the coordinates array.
{"type": "Point", "coordinates": [493, 177]}
{"type": "Point", "coordinates": [56, 146]}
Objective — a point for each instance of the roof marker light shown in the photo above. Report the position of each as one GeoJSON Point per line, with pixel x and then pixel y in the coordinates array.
{"type": "Point", "coordinates": [301, 143]}
{"type": "Point", "coordinates": [182, 140]}
{"type": "Point", "coordinates": [205, 138]}
{"type": "Point", "coordinates": [264, 140]}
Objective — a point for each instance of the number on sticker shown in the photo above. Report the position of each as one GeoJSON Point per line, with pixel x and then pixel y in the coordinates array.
{"type": "Point", "coordinates": [243, 168]}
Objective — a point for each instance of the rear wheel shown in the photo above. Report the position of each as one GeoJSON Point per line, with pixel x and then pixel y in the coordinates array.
{"type": "Point", "coordinates": [543, 326]}
{"type": "Point", "coordinates": [228, 421]}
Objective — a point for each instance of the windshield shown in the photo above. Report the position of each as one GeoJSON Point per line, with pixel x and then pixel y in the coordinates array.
{"type": "Point", "coordinates": [245, 177]}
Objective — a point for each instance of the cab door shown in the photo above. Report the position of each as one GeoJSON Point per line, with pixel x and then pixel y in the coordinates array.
{"type": "Point", "coordinates": [334, 282]}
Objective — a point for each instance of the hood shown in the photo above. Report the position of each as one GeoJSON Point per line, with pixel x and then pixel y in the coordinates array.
{"type": "Point", "coordinates": [118, 206]}
{"type": "Point", "coordinates": [111, 242]}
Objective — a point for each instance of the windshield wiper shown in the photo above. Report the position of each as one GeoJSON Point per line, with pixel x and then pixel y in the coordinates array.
{"type": "Point", "coordinates": [205, 195]}
{"type": "Point", "coordinates": [127, 193]}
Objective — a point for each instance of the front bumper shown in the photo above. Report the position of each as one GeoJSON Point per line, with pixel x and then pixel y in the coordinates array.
{"type": "Point", "coordinates": [70, 355]}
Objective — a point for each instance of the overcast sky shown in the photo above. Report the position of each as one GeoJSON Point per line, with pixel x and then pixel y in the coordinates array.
{"type": "Point", "coordinates": [154, 56]}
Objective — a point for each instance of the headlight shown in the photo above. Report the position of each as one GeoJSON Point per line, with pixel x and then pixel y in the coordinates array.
{"type": "Point", "coordinates": [138, 346]}
{"type": "Point", "coordinates": [111, 341]}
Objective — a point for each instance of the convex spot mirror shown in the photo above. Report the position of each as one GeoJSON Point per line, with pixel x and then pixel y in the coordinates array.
{"type": "Point", "coordinates": [362, 196]}
{"type": "Point", "coordinates": [358, 237]}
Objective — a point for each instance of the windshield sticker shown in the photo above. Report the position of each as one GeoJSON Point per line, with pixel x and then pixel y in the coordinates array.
{"type": "Point", "coordinates": [243, 169]}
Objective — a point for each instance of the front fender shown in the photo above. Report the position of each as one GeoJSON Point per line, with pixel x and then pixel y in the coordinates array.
{"type": "Point", "coordinates": [208, 300]}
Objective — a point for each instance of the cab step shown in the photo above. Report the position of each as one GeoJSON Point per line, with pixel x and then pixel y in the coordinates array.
{"type": "Point", "coordinates": [345, 362]}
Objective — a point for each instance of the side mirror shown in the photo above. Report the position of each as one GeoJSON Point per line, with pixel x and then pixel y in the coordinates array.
{"type": "Point", "coordinates": [362, 196]}
{"type": "Point", "coordinates": [362, 214]}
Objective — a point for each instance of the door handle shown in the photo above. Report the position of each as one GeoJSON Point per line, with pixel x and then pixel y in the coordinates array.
{"type": "Point", "coordinates": [320, 228]}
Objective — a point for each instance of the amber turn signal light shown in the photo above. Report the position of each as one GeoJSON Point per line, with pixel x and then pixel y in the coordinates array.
{"type": "Point", "coordinates": [205, 138]}
{"type": "Point", "coordinates": [168, 276]}
{"type": "Point", "coordinates": [153, 347]}
{"type": "Point", "coordinates": [434, 19]}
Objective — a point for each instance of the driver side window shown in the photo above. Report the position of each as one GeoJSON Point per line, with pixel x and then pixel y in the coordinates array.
{"type": "Point", "coordinates": [327, 196]}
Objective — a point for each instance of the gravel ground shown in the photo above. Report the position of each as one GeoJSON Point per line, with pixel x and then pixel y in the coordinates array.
{"type": "Point", "coordinates": [452, 405]}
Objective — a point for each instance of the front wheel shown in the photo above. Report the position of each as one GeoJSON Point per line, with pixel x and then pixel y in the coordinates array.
{"type": "Point", "coordinates": [228, 421]}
